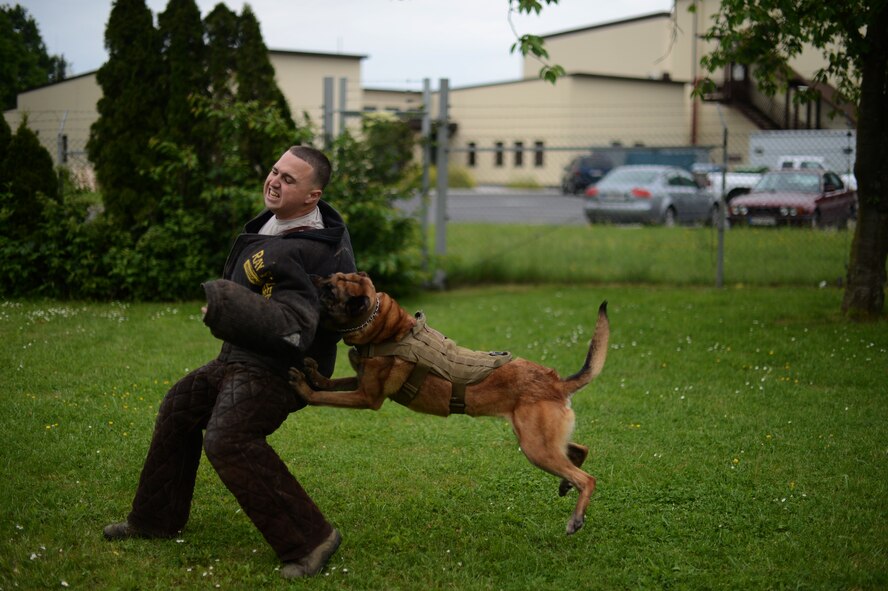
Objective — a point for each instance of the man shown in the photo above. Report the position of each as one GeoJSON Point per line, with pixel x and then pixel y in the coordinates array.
{"type": "Point", "coordinates": [265, 310]}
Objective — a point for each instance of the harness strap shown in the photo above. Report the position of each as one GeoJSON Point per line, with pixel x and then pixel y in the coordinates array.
{"type": "Point", "coordinates": [414, 382]}
{"type": "Point", "coordinates": [458, 399]}
{"type": "Point", "coordinates": [411, 387]}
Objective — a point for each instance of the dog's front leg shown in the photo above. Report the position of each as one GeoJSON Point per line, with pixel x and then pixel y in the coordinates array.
{"type": "Point", "coordinates": [357, 398]}
{"type": "Point", "coordinates": [321, 382]}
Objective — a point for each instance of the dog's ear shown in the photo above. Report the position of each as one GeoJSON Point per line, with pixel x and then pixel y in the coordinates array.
{"type": "Point", "coordinates": [362, 274]}
{"type": "Point", "coordinates": [357, 305]}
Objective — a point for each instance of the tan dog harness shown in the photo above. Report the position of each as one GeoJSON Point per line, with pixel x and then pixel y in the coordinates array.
{"type": "Point", "coordinates": [429, 350]}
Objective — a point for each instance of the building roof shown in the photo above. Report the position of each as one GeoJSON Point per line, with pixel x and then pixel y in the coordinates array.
{"type": "Point", "coordinates": [579, 75]}
{"type": "Point", "coordinates": [627, 21]}
{"type": "Point", "coordinates": [68, 79]}
{"type": "Point", "coordinates": [348, 56]}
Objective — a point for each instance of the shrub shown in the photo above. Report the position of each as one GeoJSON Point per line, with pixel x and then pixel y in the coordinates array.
{"type": "Point", "coordinates": [527, 182]}
{"type": "Point", "coordinates": [387, 243]}
{"type": "Point", "coordinates": [28, 186]}
{"type": "Point", "coordinates": [457, 177]}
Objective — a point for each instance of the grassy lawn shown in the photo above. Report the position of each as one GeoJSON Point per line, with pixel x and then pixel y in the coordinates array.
{"type": "Point", "coordinates": [507, 253]}
{"type": "Point", "coordinates": [739, 438]}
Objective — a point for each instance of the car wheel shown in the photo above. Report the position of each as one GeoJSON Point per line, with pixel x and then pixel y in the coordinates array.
{"type": "Point", "coordinates": [669, 217]}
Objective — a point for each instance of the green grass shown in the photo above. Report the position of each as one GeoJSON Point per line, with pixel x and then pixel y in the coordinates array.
{"type": "Point", "coordinates": [642, 255]}
{"type": "Point", "coordinates": [738, 436]}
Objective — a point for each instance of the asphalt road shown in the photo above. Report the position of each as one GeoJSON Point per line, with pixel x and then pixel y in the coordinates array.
{"type": "Point", "coordinates": [506, 206]}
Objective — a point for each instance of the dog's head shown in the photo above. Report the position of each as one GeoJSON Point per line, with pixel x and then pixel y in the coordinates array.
{"type": "Point", "coordinates": [348, 300]}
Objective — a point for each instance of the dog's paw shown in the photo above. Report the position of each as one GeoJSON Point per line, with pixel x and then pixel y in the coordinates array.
{"type": "Point", "coordinates": [312, 374]}
{"type": "Point", "coordinates": [296, 375]}
{"type": "Point", "coordinates": [574, 525]}
{"type": "Point", "coordinates": [297, 380]}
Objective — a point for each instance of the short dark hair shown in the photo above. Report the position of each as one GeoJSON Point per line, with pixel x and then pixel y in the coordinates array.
{"type": "Point", "coordinates": [317, 160]}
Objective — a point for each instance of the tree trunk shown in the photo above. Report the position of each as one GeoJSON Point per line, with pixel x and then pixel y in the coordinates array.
{"type": "Point", "coordinates": [865, 289]}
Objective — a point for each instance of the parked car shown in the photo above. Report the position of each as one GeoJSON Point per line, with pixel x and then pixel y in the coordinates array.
{"type": "Point", "coordinates": [584, 171]}
{"type": "Point", "coordinates": [737, 182]}
{"type": "Point", "coordinates": [651, 195]}
{"type": "Point", "coordinates": [803, 197]}
{"type": "Point", "coordinates": [816, 163]}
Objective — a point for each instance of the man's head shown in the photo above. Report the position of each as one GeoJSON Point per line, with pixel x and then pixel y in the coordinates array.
{"type": "Point", "coordinates": [296, 182]}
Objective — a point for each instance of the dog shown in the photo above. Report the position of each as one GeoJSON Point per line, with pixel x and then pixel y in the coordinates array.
{"type": "Point", "coordinates": [533, 398]}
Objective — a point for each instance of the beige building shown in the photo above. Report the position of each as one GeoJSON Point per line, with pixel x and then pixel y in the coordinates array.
{"type": "Point", "coordinates": [628, 84]}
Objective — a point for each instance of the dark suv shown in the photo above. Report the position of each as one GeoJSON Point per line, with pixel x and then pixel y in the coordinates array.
{"type": "Point", "coordinates": [584, 171]}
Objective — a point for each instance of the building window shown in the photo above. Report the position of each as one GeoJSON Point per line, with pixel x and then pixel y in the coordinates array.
{"type": "Point", "coordinates": [519, 154]}
{"type": "Point", "coordinates": [470, 159]}
{"type": "Point", "coordinates": [538, 151]}
{"type": "Point", "coordinates": [498, 155]}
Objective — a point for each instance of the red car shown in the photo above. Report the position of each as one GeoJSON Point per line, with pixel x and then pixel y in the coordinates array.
{"type": "Point", "coordinates": [795, 197]}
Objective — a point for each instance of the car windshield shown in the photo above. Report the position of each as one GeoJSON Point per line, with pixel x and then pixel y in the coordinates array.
{"type": "Point", "coordinates": [628, 176]}
{"type": "Point", "coordinates": [800, 182]}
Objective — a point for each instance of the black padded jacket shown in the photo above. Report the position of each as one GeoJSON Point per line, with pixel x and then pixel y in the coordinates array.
{"type": "Point", "coordinates": [265, 307]}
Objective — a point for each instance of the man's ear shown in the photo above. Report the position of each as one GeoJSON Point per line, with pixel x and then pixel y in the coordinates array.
{"type": "Point", "coordinates": [357, 306]}
{"type": "Point", "coordinates": [314, 196]}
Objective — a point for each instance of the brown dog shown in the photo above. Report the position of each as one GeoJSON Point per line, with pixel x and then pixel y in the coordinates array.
{"type": "Point", "coordinates": [532, 397]}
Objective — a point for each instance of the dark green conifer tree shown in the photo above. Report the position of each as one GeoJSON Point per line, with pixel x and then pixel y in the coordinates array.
{"type": "Point", "coordinates": [24, 62]}
{"type": "Point", "coordinates": [130, 114]}
{"type": "Point", "coordinates": [222, 41]}
{"type": "Point", "coordinates": [184, 53]}
{"type": "Point", "coordinates": [31, 181]}
{"type": "Point", "coordinates": [5, 137]}
{"type": "Point", "coordinates": [185, 58]}
{"type": "Point", "coordinates": [256, 82]}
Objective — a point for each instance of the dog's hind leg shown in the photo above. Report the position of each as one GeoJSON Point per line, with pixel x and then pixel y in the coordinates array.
{"type": "Point", "coordinates": [543, 431]}
{"type": "Point", "coordinates": [577, 454]}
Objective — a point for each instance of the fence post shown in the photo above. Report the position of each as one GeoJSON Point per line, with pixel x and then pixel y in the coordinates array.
{"type": "Point", "coordinates": [441, 198]}
{"type": "Point", "coordinates": [426, 131]}
{"type": "Point", "coordinates": [343, 96]}
{"type": "Point", "coordinates": [722, 206]}
{"type": "Point", "coordinates": [61, 148]}
{"type": "Point", "coordinates": [328, 111]}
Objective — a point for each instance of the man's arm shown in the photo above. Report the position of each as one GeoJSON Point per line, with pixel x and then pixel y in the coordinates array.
{"type": "Point", "coordinates": [273, 326]}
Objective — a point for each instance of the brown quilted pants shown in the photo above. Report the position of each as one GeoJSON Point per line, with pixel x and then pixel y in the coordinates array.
{"type": "Point", "coordinates": [238, 406]}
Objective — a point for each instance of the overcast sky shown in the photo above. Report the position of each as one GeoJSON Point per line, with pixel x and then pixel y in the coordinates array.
{"type": "Point", "coordinates": [404, 41]}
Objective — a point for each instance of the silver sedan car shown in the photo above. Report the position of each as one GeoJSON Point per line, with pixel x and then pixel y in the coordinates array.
{"type": "Point", "coordinates": [649, 195]}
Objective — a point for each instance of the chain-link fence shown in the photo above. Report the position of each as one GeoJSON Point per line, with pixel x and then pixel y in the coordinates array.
{"type": "Point", "coordinates": [566, 147]}
{"type": "Point", "coordinates": [542, 145]}
{"type": "Point", "coordinates": [563, 149]}
{"type": "Point", "coordinates": [558, 146]}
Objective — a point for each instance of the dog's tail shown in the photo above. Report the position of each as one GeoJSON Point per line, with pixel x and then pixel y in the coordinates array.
{"type": "Point", "coordinates": [595, 357]}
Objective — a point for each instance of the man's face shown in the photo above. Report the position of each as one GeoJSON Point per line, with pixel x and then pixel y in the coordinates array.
{"type": "Point", "coordinates": [290, 190]}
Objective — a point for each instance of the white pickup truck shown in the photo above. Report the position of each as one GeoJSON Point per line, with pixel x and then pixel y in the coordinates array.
{"type": "Point", "coordinates": [739, 183]}
{"type": "Point", "coordinates": [735, 183]}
